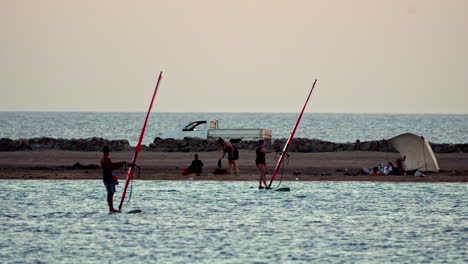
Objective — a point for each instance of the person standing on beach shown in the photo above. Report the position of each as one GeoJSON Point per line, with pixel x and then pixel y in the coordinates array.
{"type": "Point", "coordinates": [233, 155]}
{"type": "Point", "coordinates": [260, 161]}
{"type": "Point", "coordinates": [108, 168]}
{"type": "Point", "coordinates": [400, 166]}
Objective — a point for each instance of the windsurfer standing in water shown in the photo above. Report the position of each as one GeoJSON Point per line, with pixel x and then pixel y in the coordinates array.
{"type": "Point", "coordinates": [261, 163]}
{"type": "Point", "coordinates": [108, 168]}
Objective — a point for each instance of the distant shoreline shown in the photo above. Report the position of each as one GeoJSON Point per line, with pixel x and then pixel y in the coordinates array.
{"type": "Point", "coordinates": [333, 127]}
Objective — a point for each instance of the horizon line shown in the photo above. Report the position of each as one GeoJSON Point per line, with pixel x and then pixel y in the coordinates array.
{"type": "Point", "coordinates": [231, 112]}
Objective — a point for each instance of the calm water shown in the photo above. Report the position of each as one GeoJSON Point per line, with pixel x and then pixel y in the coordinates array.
{"type": "Point", "coordinates": [228, 222]}
{"type": "Point", "coordinates": [436, 128]}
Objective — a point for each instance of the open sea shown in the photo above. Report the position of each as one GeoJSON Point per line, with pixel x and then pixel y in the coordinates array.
{"type": "Point", "coordinates": [61, 221]}
{"type": "Point", "coordinates": [437, 128]}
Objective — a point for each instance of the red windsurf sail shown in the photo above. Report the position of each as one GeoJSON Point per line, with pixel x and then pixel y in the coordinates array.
{"type": "Point", "coordinates": [138, 146]}
{"type": "Point", "coordinates": [286, 146]}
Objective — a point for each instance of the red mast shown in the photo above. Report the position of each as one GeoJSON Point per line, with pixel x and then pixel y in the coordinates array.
{"type": "Point", "coordinates": [285, 148]}
{"type": "Point", "coordinates": [138, 146]}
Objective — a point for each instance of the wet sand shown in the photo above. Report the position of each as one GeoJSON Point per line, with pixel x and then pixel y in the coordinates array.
{"type": "Point", "coordinates": [328, 166]}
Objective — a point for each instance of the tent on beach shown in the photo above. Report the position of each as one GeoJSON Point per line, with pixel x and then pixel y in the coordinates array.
{"type": "Point", "coordinates": [418, 152]}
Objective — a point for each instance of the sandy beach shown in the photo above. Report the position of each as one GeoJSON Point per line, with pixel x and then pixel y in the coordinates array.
{"type": "Point", "coordinates": [328, 166]}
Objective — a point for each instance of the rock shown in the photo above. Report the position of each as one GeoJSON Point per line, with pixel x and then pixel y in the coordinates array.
{"type": "Point", "coordinates": [89, 144]}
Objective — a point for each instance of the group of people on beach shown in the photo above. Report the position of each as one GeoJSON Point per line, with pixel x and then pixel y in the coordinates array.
{"type": "Point", "coordinates": [260, 160]}
{"type": "Point", "coordinates": [233, 155]}
{"type": "Point", "coordinates": [109, 179]}
{"type": "Point", "coordinates": [389, 169]}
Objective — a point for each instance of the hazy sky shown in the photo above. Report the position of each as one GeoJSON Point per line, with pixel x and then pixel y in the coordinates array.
{"type": "Point", "coordinates": [382, 56]}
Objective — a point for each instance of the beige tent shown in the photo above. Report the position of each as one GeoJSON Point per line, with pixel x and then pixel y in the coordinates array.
{"type": "Point", "coordinates": [418, 152]}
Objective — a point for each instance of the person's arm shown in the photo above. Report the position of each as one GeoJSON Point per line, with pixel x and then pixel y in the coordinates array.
{"type": "Point", "coordinates": [117, 165]}
{"type": "Point", "coordinates": [266, 151]}
{"type": "Point", "coordinates": [225, 150]}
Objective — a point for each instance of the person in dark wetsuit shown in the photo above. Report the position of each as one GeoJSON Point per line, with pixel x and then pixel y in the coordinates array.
{"type": "Point", "coordinates": [260, 161]}
{"type": "Point", "coordinates": [233, 155]}
{"type": "Point", "coordinates": [108, 168]}
{"type": "Point", "coordinates": [197, 166]}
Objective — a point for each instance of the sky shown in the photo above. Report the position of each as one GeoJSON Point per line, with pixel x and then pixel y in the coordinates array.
{"type": "Point", "coordinates": [369, 56]}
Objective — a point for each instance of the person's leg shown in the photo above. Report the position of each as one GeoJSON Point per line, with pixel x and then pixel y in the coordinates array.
{"type": "Point", "coordinates": [232, 167]}
{"type": "Point", "coordinates": [109, 194]}
{"type": "Point", "coordinates": [264, 176]}
{"type": "Point", "coordinates": [236, 167]}
{"type": "Point", "coordinates": [259, 166]}
{"type": "Point", "coordinates": [110, 197]}
{"type": "Point", "coordinates": [262, 179]}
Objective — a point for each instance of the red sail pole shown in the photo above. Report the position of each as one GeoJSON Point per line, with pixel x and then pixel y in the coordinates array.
{"type": "Point", "coordinates": [138, 146]}
{"type": "Point", "coordinates": [285, 148]}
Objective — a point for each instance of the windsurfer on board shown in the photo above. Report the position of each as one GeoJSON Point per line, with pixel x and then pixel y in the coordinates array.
{"type": "Point", "coordinates": [261, 163]}
{"type": "Point", "coordinates": [232, 155]}
{"type": "Point", "coordinates": [108, 168]}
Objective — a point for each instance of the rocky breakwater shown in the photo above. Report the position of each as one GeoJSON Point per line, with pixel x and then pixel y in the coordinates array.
{"type": "Point", "coordinates": [202, 145]}
{"type": "Point", "coordinates": [86, 144]}
{"type": "Point", "coordinates": [298, 145]}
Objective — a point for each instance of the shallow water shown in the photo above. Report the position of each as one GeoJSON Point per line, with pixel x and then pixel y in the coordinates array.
{"type": "Point", "coordinates": [231, 222]}
{"type": "Point", "coordinates": [437, 128]}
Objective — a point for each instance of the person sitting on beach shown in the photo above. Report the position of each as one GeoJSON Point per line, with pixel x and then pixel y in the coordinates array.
{"type": "Point", "coordinates": [376, 171]}
{"type": "Point", "coordinates": [389, 168]}
{"type": "Point", "coordinates": [364, 171]}
{"type": "Point", "coordinates": [260, 161]}
{"type": "Point", "coordinates": [380, 170]}
{"type": "Point", "coordinates": [197, 166]}
{"type": "Point", "coordinates": [108, 168]}
{"type": "Point", "coordinates": [233, 155]}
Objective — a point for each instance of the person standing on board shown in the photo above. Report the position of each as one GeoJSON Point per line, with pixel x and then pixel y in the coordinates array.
{"type": "Point", "coordinates": [233, 155]}
{"type": "Point", "coordinates": [108, 168]}
{"type": "Point", "coordinates": [260, 161]}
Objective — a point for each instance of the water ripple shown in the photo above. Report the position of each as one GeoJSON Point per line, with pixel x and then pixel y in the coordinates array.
{"type": "Point", "coordinates": [209, 222]}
